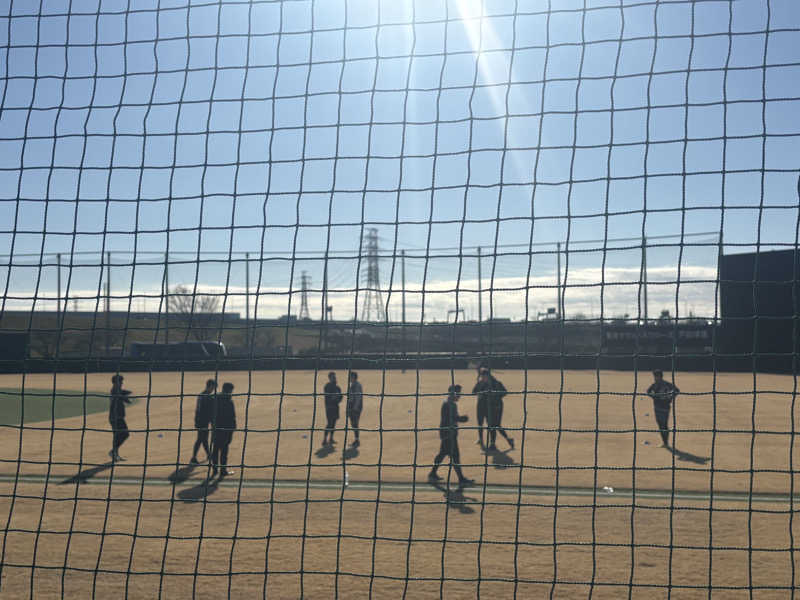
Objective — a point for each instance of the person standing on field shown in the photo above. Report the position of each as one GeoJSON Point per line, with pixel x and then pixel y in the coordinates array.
{"type": "Point", "coordinates": [333, 396]}
{"type": "Point", "coordinates": [480, 390]}
{"type": "Point", "coordinates": [224, 424]}
{"type": "Point", "coordinates": [202, 418]}
{"type": "Point", "coordinates": [355, 404]}
{"type": "Point", "coordinates": [448, 434]}
{"type": "Point", "coordinates": [495, 391]}
{"type": "Point", "coordinates": [663, 393]}
{"type": "Point", "coordinates": [116, 416]}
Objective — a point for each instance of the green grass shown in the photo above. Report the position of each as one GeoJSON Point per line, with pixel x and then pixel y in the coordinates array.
{"type": "Point", "coordinates": [43, 405]}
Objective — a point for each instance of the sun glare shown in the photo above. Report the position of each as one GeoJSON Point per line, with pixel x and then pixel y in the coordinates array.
{"type": "Point", "coordinates": [482, 35]}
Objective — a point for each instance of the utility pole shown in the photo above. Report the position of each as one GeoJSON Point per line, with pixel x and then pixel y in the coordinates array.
{"type": "Point", "coordinates": [480, 288]}
{"type": "Point", "coordinates": [403, 300]}
{"type": "Point", "coordinates": [718, 296]}
{"type": "Point", "coordinates": [166, 304]}
{"type": "Point", "coordinates": [324, 315]}
{"type": "Point", "coordinates": [558, 279]}
{"type": "Point", "coordinates": [644, 276]}
{"type": "Point", "coordinates": [403, 283]}
{"type": "Point", "coordinates": [480, 302]}
{"type": "Point", "coordinates": [58, 299]}
{"type": "Point", "coordinates": [247, 299]}
{"type": "Point", "coordinates": [305, 280]}
{"type": "Point", "coordinates": [108, 302]}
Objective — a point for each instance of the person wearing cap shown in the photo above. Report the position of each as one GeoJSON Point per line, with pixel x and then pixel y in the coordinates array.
{"type": "Point", "coordinates": [355, 404]}
{"type": "Point", "coordinates": [202, 417]}
{"type": "Point", "coordinates": [448, 434]}
{"type": "Point", "coordinates": [333, 396]}
{"type": "Point", "coordinates": [663, 393]}
{"type": "Point", "coordinates": [116, 416]}
{"type": "Point", "coordinates": [223, 425]}
{"type": "Point", "coordinates": [494, 392]}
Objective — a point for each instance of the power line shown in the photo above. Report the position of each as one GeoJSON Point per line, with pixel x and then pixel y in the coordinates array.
{"type": "Point", "coordinates": [347, 253]}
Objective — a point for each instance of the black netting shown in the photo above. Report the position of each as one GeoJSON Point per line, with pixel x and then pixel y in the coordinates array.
{"type": "Point", "coordinates": [570, 196]}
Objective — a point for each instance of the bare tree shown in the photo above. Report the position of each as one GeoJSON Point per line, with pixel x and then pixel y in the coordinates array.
{"type": "Point", "coordinates": [198, 310]}
{"type": "Point", "coordinates": [43, 343]}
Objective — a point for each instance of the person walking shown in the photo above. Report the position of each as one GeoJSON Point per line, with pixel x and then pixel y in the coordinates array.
{"type": "Point", "coordinates": [333, 397]}
{"type": "Point", "coordinates": [116, 416]}
{"type": "Point", "coordinates": [448, 436]}
{"type": "Point", "coordinates": [224, 424]}
{"type": "Point", "coordinates": [495, 392]}
{"type": "Point", "coordinates": [202, 418]}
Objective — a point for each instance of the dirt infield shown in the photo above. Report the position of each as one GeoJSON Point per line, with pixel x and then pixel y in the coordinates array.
{"type": "Point", "coordinates": [579, 429]}
{"type": "Point", "coordinates": [115, 544]}
{"type": "Point", "coordinates": [734, 430]}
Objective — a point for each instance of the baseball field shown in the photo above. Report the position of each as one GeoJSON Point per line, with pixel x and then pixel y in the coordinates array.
{"type": "Point", "coordinates": [587, 499]}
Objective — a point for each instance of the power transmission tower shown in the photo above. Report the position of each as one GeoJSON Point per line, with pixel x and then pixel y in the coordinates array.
{"type": "Point", "coordinates": [305, 282]}
{"type": "Point", "coordinates": [372, 279]}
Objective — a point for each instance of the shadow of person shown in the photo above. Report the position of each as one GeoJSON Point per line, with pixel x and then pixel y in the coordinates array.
{"type": "Point", "coordinates": [501, 460]}
{"type": "Point", "coordinates": [455, 497]}
{"type": "Point", "coordinates": [324, 451]}
{"type": "Point", "coordinates": [688, 456]}
{"type": "Point", "coordinates": [181, 474]}
{"type": "Point", "coordinates": [86, 474]}
{"type": "Point", "coordinates": [203, 489]}
{"type": "Point", "coordinates": [350, 453]}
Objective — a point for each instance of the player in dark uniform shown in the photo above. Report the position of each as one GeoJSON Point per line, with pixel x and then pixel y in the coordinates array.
{"type": "Point", "coordinates": [448, 434]}
{"type": "Point", "coordinates": [494, 391]}
{"type": "Point", "coordinates": [116, 416]}
{"type": "Point", "coordinates": [355, 404]}
{"type": "Point", "coordinates": [480, 391]}
{"type": "Point", "coordinates": [663, 393]}
{"type": "Point", "coordinates": [224, 424]}
{"type": "Point", "coordinates": [333, 396]}
{"type": "Point", "coordinates": [202, 417]}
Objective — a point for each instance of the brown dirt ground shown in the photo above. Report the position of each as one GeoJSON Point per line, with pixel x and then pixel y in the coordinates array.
{"type": "Point", "coordinates": [559, 429]}
{"type": "Point", "coordinates": [153, 547]}
{"type": "Point", "coordinates": [555, 421]}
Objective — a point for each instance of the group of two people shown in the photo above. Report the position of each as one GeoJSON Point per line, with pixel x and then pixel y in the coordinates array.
{"type": "Point", "coordinates": [355, 404]}
{"type": "Point", "coordinates": [215, 414]}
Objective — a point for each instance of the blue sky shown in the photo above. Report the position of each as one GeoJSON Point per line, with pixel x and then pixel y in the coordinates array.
{"type": "Point", "coordinates": [277, 127]}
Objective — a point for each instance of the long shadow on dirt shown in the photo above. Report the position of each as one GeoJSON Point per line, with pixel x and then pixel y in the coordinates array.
{"type": "Point", "coordinates": [689, 457]}
{"type": "Point", "coordinates": [86, 474]}
{"type": "Point", "coordinates": [181, 474]}
{"type": "Point", "coordinates": [455, 498]}
{"type": "Point", "coordinates": [202, 490]}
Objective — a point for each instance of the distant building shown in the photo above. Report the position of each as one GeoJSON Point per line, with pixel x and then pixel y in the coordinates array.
{"type": "Point", "coordinates": [760, 304]}
{"type": "Point", "coordinates": [663, 337]}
